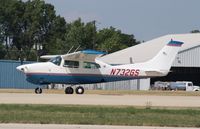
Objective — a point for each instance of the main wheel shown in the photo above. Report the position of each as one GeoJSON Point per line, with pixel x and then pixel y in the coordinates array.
{"type": "Point", "coordinates": [79, 90]}
{"type": "Point", "coordinates": [38, 90]}
{"type": "Point", "coordinates": [69, 90]}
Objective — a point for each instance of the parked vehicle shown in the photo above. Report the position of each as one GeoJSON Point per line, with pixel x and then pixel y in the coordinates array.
{"type": "Point", "coordinates": [178, 85]}
{"type": "Point", "coordinates": [183, 85]}
{"type": "Point", "coordinates": [159, 85]}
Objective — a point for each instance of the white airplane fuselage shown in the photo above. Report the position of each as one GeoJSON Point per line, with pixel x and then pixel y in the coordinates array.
{"type": "Point", "coordinates": [48, 72]}
{"type": "Point", "coordinates": [78, 70]}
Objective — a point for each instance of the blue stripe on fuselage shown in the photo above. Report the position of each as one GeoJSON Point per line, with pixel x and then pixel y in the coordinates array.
{"type": "Point", "coordinates": [43, 78]}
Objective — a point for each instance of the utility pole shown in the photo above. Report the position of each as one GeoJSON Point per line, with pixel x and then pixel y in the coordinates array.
{"type": "Point", "coordinates": [38, 47]}
{"type": "Point", "coordinates": [94, 35]}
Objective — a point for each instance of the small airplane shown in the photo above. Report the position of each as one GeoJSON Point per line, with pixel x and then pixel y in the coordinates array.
{"type": "Point", "coordinates": [85, 67]}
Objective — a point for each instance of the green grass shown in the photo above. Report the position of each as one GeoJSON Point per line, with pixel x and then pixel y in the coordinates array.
{"type": "Point", "coordinates": [100, 115]}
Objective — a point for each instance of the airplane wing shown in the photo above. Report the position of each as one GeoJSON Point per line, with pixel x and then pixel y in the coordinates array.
{"type": "Point", "coordinates": [48, 56]}
{"type": "Point", "coordinates": [86, 55]}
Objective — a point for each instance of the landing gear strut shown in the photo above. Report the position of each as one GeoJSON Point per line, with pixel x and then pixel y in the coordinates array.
{"type": "Point", "coordinates": [38, 90]}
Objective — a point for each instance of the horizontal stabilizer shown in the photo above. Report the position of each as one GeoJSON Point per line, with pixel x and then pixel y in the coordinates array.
{"type": "Point", "coordinates": [156, 73]}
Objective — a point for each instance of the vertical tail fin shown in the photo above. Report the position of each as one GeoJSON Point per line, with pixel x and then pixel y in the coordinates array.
{"type": "Point", "coordinates": [158, 66]}
{"type": "Point", "coordinates": [164, 59]}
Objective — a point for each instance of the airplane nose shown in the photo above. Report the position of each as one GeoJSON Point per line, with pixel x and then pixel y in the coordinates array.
{"type": "Point", "coordinates": [21, 68]}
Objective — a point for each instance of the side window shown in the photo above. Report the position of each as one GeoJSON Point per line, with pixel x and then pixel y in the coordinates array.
{"type": "Point", "coordinates": [56, 60]}
{"type": "Point", "coordinates": [71, 64]}
{"type": "Point", "coordinates": [189, 84]}
{"type": "Point", "coordinates": [90, 65]}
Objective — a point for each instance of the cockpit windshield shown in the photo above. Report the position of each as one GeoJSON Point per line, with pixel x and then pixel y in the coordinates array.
{"type": "Point", "coordinates": [57, 60]}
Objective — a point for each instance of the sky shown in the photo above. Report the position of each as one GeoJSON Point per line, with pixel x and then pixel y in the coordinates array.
{"type": "Point", "coordinates": [145, 19]}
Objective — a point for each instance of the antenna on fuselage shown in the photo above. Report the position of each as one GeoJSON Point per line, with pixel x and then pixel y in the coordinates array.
{"type": "Point", "coordinates": [70, 49]}
{"type": "Point", "coordinates": [131, 60]}
{"type": "Point", "coordinates": [77, 48]}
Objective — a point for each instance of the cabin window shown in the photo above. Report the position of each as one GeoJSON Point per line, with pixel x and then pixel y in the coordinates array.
{"type": "Point", "coordinates": [91, 65]}
{"type": "Point", "coordinates": [71, 64]}
{"type": "Point", "coordinates": [190, 84]}
{"type": "Point", "coordinates": [57, 60]}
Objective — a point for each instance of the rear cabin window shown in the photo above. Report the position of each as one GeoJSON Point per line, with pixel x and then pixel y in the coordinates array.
{"type": "Point", "coordinates": [71, 64]}
{"type": "Point", "coordinates": [90, 65]}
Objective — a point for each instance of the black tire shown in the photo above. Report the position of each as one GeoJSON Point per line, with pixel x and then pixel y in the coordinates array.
{"type": "Point", "coordinates": [69, 90]}
{"type": "Point", "coordinates": [38, 90]}
{"type": "Point", "coordinates": [79, 90]}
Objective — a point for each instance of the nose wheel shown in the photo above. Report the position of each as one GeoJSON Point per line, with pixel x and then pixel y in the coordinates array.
{"type": "Point", "coordinates": [38, 90]}
{"type": "Point", "coordinates": [78, 90]}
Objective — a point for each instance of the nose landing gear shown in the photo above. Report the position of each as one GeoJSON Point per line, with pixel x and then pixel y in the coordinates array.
{"type": "Point", "coordinates": [38, 90]}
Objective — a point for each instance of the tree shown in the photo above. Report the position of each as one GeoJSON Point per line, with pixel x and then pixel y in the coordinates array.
{"type": "Point", "coordinates": [80, 34]}
{"type": "Point", "coordinates": [128, 40]}
{"type": "Point", "coordinates": [90, 35]}
{"type": "Point", "coordinates": [25, 24]}
{"type": "Point", "coordinates": [9, 11]}
{"type": "Point", "coordinates": [75, 34]}
{"type": "Point", "coordinates": [195, 31]}
{"type": "Point", "coordinates": [111, 40]}
{"type": "Point", "coordinates": [2, 51]}
{"type": "Point", "coordinates": [42, 26]}
{"type": "Point", "coordinates": [56, 37]}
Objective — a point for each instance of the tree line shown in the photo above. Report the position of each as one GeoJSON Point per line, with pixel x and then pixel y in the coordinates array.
{"type": "Point", "coordinates": [31, 28]}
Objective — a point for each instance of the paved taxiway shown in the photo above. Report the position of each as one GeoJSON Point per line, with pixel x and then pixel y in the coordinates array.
{"type": "Point", "coordinates": [53, 126]}
{"type": "Point", "coordinates": [90, 99]}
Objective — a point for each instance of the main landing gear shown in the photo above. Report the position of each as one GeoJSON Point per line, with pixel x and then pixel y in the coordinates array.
{"type": "Point", "coordinates": [78, 90]}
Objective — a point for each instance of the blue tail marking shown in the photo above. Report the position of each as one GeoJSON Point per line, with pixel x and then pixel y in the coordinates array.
{"type": "Point", "coordinates": [175, 43]}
